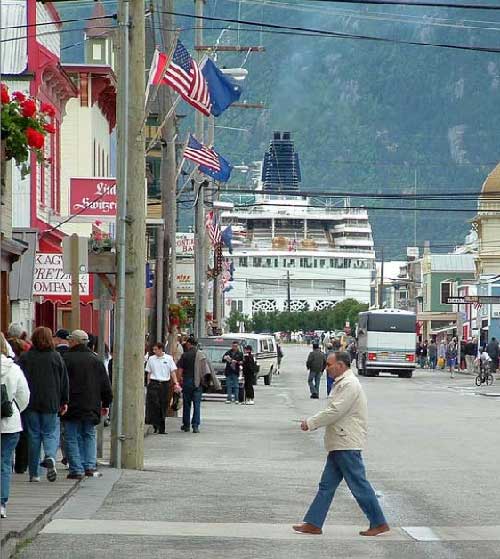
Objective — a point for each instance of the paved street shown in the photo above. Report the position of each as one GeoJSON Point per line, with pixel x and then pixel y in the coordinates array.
{"type": "Point", "coordinates": [235, 489]}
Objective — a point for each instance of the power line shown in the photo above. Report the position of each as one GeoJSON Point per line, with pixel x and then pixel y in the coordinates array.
{"type": "Point", "coordinates": [73, 20]}
{"type": "Point", "coordinates": [334, 34]}
{"type": "Point", "coordinates": [416, 3]}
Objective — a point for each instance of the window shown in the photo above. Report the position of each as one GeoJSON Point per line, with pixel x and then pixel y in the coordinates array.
{"type": "Point", "coordinates": [445, 291]}
{"type": "Point", "coordinates": [322, 263]}
{"type": "Point", "coordinates": [257, 262]}
{"type": "Point", "coordinates": [391, 323]}
{"type": "Point", "coordinates": [264, 346]}
{"type": "Point", "coordinates": [243, 261]}
{"type": "Point", "coordinates": [276, 263]}
{"type": "Point", "coordinates": [240, 306]}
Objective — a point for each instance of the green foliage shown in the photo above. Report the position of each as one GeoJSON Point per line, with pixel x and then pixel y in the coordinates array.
{"type": "Point", "coordinates": [328, 319]}
{"type": "Point", "coordinates": [234, 319]}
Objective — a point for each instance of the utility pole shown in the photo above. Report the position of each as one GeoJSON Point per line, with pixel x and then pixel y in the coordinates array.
{"type": "Point", "coordinates": [75, 282]}
{"type": "Point", "coordinates": [288, 291]}
{"type": "Point", "coordinates": [168, 179]}
{"type": "Point", "coordinates": [381, 284]}
{"type": "Point", "coordinates": [128, 431]}
{"type": "Point", "coordinates": [200, 268]}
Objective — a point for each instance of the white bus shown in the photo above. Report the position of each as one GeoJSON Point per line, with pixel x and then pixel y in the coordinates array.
{"type": "Point", "coordinates": [386, 342]}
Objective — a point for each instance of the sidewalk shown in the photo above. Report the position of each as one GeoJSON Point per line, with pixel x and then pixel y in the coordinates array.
{"type": "Point", "coordinates": [32, 505]}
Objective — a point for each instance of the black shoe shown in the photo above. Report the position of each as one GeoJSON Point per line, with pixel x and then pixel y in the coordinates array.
{"type": "Point", "coordinates": [155, 429]}
{"type": "Point", "coordinates": [75, 476]}
{"type": "Point", "coordinates": [196, 429]}
{"type": "Point", "coordinates": [162, 433]}
{"type": "Point", "coordinates": [312, 396]}
{"type": "Point", "coordinates": [316, 396]}
{"type": "Point", "coordinates": [185, 428]}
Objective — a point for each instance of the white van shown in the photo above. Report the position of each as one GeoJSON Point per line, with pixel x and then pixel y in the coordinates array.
{"type": "Point", "coordinates": [265, 353]}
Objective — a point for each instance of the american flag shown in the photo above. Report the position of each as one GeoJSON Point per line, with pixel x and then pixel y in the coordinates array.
{"type": "Point", "coordinates": [197, 152]}
{"type": "Point", "coordinates": [477, 305]}
{"type": "Point", "coordinates": [213, 228]}
{"type": "Point", "coordinates": [184, 76]}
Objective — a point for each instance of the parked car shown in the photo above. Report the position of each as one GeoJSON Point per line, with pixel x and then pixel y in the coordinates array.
{"type": "Point", "coordinates": [265, 353]}
{"type": "Point", "coordinates": [214, 348]}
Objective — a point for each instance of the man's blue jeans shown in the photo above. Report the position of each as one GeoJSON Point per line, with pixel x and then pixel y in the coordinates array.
{"type": "Point", "coordinates": [42, 428]}
{"type": "Point", "coordinates": [80, 442]}
{"type": "Point", "coordinates": [232, 387]}
{"type": "Point", "coordinates": [9, 442]}
{"type": "Point", "coordinates": [314, 382]}
{"type": "Point", "coordinates": [191, 395]}
{"type": "Point", "coordinates": [348, 465]}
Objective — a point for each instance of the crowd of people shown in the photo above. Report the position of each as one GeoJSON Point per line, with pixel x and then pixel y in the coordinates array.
{"type": "Point", "coordinates": [445, 354]}
{"type": "Point", "coordinates": [55, 389]}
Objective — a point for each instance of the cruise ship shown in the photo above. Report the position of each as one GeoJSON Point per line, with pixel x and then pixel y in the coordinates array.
{"type": "Point", "coordinates": [299, 252]}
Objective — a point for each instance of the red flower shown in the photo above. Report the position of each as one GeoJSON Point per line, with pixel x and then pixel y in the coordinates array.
{"type": "Point", "coordinates": [50, 128]}
{"type": "Point", "coordinates": [19, 96]}
{"type": "Point", "coordinates": [5, 94]}
{"type": "Point", "coordinates": [28, 108]}
{"type": "Point", "coordinates": [35, 138]}
{"type": "Point", "coordinates": [48, 109]}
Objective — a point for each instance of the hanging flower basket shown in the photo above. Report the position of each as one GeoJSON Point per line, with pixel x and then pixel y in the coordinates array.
{"type": "Point", "coordinates": [177, 316]}
{"type": "Point", "coordinates": [25, 124]}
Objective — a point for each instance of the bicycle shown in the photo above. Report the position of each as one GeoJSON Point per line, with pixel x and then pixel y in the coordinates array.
{"type": "Point", "coordinates": [485, 376]}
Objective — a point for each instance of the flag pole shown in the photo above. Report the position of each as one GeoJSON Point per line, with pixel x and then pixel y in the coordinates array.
{"type": "Point", "coordinates": [183, 160]}
{"type": "Point", "coordinates": [156, 55]}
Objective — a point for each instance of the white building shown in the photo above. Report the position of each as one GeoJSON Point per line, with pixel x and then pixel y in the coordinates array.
{"type": "Point", "coordinates": [290, 249]}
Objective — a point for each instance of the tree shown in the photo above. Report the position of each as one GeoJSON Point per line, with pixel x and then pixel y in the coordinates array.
{"type": "Point", "coordinates": [234, 320]}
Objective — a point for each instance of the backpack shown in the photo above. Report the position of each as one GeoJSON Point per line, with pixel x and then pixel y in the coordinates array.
{"type": "Point", "coordinates": [7, 409]}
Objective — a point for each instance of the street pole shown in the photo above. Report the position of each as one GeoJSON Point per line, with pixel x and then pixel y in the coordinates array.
{"type": "Point", "coordinates": [200, 269]}
{"type": "Point", "coordinates": [101, 351]}
{"type": "Point", "coordinates": [288, 291]}
{"type": "Point", "coordinates": [168, 178]}
{"type": "Point", "coordinates": [381, 284]}
{"type": "Point", "coordinates": [75, 282]}
{"type": "Point", "coordinates": [128, 439]}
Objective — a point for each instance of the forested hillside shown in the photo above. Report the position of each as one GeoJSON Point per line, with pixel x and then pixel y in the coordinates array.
{"type": "Point", "coordinates": [367, 117]}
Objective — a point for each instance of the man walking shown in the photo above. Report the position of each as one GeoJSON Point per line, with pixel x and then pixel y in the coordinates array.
{"type": "Point", "coordinates": [90, 396]}
{"type": "Point", "coordinates": [345, 420]}
{"type": "Point", "coordinates": [470, 351]}
{"type": "Point", "coordinates": [160, 368]}
{"type": "Point", "coordinates": [493, 351]}
{"type": "Point", "coordinates": [193, 368]}
{"type": "Point", "coordinates": [433, 354]}
{"type": "Point", "coordinates": [316, 362]}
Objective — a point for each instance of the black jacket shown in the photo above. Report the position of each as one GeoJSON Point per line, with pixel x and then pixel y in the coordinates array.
{"type": "Point", "coordinates": [47, 379]}
{"type": "Point", "coordinates": [89, 386]}
{"type": "Point", "coordinates": [316, 361]}
{"type": "Point", "coordinates": [235, 356]}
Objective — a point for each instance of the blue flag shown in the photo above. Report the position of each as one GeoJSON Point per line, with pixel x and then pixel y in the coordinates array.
{"type": "Point", "coordinates": [227, 239]}
{"type": "Point", "coordinates": [223, 90]}
{"type": "Point", "coordinates": [225, 170]}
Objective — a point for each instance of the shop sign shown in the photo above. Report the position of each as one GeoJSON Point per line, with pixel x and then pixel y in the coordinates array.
{"type": "Point", "coordinates": [94, 197]}
{"type": "Point", "coordinates": [184, 244]}
{"type": "Point", "coordinates": [185, 277]}
{"type": "Point", "coordinates": [49, 277]}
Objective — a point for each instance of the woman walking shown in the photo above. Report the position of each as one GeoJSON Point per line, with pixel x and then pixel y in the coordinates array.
{"type": "Point", "coordinates": [15, 397]}
{"type": "Point", "coordinates": [451, 356]}
{"type": "Point", "coordinates": [249, 375]}
{"type": "Point", "coordinates": [47, 379]}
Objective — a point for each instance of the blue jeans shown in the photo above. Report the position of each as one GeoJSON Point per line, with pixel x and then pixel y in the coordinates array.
{"type": "Point", "coordinates": [80, 442]}
{"type": "Point", "coordinates": [329, 384]}
{"type": "Point", "coordinates": [191, 395]}
{"type": "Point", "coordinates": [314, 382]}
{"type": "Point", "coordinates": [348, 465]}
{"type": "Point", "coordinates": [42, 428]}
{"type": "Point", "coordinates": [9, 442]}
{"type": "Point", "coordinates": [432, 362]}
{"type": "Point", "coordinates": [232, 387]}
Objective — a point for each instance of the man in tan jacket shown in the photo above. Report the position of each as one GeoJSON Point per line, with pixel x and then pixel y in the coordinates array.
{"type": "Point", "coordinates": [345, 422]}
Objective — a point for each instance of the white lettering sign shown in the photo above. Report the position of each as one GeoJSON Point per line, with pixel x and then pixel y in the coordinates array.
{"type": "Point", "coordinates": [49, 277]}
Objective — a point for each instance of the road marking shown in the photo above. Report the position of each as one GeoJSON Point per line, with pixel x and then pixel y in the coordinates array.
{"type": "Point", "coordinates": [264, 531]}
{"type": "Point", "coordinates": [209, 530]}
{"type": "Point", "coordinates": [453, 533]}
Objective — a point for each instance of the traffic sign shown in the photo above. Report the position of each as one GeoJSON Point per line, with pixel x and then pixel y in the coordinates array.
{"type": "Point", "coordinates": [455, 300]}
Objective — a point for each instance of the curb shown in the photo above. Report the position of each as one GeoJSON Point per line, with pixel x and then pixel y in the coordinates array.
{"type": "Point", "coordinates": [11, 540]}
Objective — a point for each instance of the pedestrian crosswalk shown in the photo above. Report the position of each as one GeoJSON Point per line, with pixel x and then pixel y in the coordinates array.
{"type": "Point", "coordinates": [265, 531]}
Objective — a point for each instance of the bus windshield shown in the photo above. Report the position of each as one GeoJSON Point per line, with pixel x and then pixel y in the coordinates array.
{"type": "Point", "coordinates": [391, 323]}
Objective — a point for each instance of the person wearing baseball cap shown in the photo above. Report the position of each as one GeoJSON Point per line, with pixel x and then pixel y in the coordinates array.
{"type": "Point", "coordinates": [61, 340]}
{"type": "Point", "coordinates": [90, 396]}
